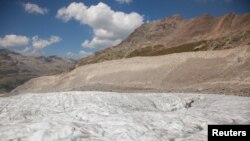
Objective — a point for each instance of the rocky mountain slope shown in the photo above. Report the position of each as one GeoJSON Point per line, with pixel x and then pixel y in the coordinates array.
{"type": "Point", "coordinates": [15, 69]}
{"type": "Point", "coordinates": [175, 34]}
{"type": "Point", "coordinates": [221, 71]}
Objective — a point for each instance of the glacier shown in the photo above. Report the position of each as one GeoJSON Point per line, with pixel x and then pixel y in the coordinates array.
{"type": "Point", "coordinates": [110, 116]}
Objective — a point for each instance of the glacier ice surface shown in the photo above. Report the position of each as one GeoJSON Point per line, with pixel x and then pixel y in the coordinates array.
{"type": "Point", "coordinates": [108, 116]}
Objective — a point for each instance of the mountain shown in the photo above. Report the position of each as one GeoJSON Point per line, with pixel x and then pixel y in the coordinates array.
{"type": "Point", "coordinates": [205, 54]}
{"type": "Point", "coordinates": [220, 72]}
{"type": "Point", "coordinates": [175, 34]}
{"type": "Point", "coordinates": [17, 69]}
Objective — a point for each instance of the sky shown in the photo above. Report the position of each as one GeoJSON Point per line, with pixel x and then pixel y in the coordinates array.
{"type": "Point", "coordinates": [78, 28]}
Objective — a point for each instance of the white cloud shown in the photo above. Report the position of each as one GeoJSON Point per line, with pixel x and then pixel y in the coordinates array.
{"type": "Point", "coordinates": [109, 27]}
{"type": "Point", "coordinates": [124, 1]}
{"type": "Point", "coordinates": [39, 44]}
{"type": "Point", "coordinates": [34, 8]}
{"type": "Point", "coordinates": [31, 52]}
{"type": "Point", "coordinates": [13, 41]}
{"type": "Point", "coordinates": [100, 43]}
{"type": "Point", "coordinates": [35, 47]}
{"type": "Point", "coordinates": [70, 55]}
{"type": "Point", "coordinates": [81, 54]}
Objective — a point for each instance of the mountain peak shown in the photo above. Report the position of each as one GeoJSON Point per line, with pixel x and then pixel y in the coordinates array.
{"type": "Point", "coordinates": [172, 18]}
{"type": "Point", "coordinates": [6, 51]}
{"type": "Point", "coordinates": [174, 34]}
{"type": "Point", "coordinates": [230, 14]}
{"type": "Point", "coordinates": [23, 68]}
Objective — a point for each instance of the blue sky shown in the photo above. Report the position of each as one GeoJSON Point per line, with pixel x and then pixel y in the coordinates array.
{"type": "Point", "coordinates": [77, 28]}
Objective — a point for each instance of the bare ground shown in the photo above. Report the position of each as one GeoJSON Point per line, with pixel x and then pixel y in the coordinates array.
{"type": "Point", "coordinates": [221, 72]}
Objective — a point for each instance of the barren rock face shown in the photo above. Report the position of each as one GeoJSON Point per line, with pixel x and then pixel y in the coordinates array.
{"type": "Point", "coordinates": [175, 34]}
{"type": "Point", "coordinates": [224, 71]}
{"type": "Point", "coordinates": [99, 116]}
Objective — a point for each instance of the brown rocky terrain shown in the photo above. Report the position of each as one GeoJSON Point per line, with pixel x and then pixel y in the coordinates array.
{"type": "Point", "coordinates": [175, 34]}
{"type": "Point", "coordinates": [204, 54]}
{"type": "Point", "coordinates": [221, 71]}
{"type": "Point", "coordinates": [15, 69]}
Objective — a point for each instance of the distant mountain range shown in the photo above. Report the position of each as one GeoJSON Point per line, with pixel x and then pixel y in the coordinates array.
{"type": "Point", "coordinates": [175, 34]}
{"type": "Point", "coordinates": [15, 69]}
{"type": "Point", "coordinates": [204, 54]}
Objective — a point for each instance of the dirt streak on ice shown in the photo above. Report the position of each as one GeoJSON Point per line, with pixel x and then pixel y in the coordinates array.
{"type": "Point", "coordinates": [103, 116]}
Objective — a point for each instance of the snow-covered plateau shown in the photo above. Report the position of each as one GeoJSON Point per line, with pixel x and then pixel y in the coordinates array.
{"type": "Point", "coordinates": [106, 116]}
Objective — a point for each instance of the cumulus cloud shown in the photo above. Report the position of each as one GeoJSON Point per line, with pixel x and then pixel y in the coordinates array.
{"type": "Point", "coordinates": [70, 55]}
{"type": "Point", "coordinates": [109, 27]}
{"type": "Point", "coordinates": [81, 54]}
{"type": "Point", "coordinates": [39, 44]}
{"type": "Point", "coordinates": [124, 1]}
{"type": "Point", "coordinates": [34, 8]}
{"type": "Point", "coordinates": [33, 46]}
{"type": "Point", "coordinates": [85, 53]}
{"type": "Point", "coordinates": [13, 41]}
{"type": "Point", "coordinates": [100, 43]}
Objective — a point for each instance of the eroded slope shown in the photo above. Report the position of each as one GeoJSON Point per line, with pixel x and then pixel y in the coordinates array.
{"type": "Point", "coordinates": [225, 71]}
